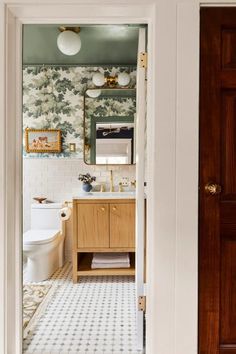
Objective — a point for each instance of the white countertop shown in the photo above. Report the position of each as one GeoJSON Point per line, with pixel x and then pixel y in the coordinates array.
{"type": "Point", "coordinates": [106, 195]}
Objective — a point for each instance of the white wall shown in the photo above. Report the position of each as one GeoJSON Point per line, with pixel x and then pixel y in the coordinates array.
{"type": "Point", "coordinates": [57, 179]}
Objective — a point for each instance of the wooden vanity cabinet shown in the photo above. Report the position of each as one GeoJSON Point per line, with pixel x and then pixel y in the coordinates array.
{"type": "Point", "coordinates": [122, 225]}
{"type": "Point", "coordinates": [102, 226]}
{"type": "Point", "coordinates": [92, 225]}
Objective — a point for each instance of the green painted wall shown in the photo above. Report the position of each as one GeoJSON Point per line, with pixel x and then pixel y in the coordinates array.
{"type": "Point", "coordinates": [101, 45]}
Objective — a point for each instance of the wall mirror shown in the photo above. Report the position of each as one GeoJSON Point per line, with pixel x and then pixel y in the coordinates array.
{"type": "Point", "coordinates": [109, 126]}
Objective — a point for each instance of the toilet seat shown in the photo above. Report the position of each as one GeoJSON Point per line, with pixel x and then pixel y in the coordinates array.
{"type": "Point", "coordinates": [37, 237]}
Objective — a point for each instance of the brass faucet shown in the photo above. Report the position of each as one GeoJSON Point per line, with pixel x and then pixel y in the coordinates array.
{"type": "Point", "coordinates": [111, 181]}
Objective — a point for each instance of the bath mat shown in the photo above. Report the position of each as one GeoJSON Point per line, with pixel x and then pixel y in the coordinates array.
{"type": "Point", "coordinates": [35, 299]}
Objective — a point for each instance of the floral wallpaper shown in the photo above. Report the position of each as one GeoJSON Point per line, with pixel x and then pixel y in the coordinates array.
{"type": "Point", "coordinates": [53, 97]}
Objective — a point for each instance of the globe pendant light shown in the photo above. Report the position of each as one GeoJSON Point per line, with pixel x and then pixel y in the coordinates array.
{"type": "Point", "coordinates": [68, 41]}
{"type": "Point", "coordinates": [98, 79]}
{"type": "Point", "coordinates": [123, 79]}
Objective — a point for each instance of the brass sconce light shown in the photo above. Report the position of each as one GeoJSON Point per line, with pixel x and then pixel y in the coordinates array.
{"type": "Point", "coordinates": [122, 79]}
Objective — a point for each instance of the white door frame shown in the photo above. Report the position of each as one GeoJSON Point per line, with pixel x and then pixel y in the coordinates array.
{"type": "Point", "coordinates": [141, 101]}
{"type": "Point", "coordinates": [15, 16]}
{"type": "Point", "coordinates": [172, 145]}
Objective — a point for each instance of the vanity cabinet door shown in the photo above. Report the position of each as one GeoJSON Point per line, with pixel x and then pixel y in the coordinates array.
{"type": "Point", "coordinates": [93, 225]}
{"type": "Point", "coordinates": [122, 225]}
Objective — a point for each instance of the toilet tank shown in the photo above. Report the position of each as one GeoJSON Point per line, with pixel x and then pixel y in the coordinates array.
{"type": "Point", "coordinates": [46, 216]}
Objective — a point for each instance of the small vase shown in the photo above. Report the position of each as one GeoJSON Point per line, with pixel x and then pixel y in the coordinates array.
{"type": "Point", "coordinates": [87, 187]}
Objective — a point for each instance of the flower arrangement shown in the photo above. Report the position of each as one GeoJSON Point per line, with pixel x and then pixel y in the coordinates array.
{"type": "Point", "coordinates": [88, 179]}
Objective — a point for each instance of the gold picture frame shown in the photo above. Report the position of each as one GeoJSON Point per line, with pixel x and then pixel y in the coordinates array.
{"type": "Point", "coordinates": [42, 140]}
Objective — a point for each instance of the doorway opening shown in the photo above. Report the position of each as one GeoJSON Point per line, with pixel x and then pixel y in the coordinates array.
{"type": "Point", "coordinates": [82, 248]}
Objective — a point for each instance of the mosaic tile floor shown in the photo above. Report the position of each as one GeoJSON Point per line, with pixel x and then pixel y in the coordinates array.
{"type": "Point", "coordinates": [97, 315]}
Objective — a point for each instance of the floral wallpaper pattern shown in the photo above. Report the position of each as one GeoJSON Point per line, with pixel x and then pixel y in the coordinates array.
{"type": "Point", "coordinates": [53, 97]}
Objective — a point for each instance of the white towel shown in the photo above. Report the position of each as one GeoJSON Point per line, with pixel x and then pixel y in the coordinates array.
{"type": "Point", "coordinates": [110, 258]}
{"type": "Point", "coordinates": [113, 265]}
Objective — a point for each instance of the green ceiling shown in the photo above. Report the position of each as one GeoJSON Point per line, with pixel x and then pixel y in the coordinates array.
{"type": "Point", "coordinates": [101, 45]}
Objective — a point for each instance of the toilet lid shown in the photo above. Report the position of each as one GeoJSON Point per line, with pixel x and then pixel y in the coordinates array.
{"type": "Point", "coordinates": [36, 237]}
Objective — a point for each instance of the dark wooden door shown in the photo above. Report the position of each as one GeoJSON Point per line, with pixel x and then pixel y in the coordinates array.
{"type": "Point", "coordinates": [217, 210]}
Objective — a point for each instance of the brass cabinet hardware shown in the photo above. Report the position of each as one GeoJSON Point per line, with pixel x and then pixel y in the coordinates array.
{"type": "Point", "coordinates": [212, 188]}
{"type": "Point", "coordinates": [102, 209]}
{"type": "Point", "coordinates": [114, 208]}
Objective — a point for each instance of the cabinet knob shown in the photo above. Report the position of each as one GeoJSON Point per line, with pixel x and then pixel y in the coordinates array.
{"type": "Point", "coordinates": [114, 208]}
{"type": "Point", "coordinates": [102, 209]}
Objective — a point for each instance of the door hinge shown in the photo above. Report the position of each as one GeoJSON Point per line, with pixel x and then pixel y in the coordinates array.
{"type": "Point", "coordinates": [143, 60]}
{"type": "Point", "coordinates": [142, 303]}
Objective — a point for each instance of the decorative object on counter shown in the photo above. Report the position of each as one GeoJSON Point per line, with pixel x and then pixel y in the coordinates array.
{"type": "Point", "coordinates": [87, 179]}
{"type": "Point", "coordinates": [40, 199]}
{"type": "Point", "coordinates": [42, 140]}
{"type": "Point", "coordinates": [133, 183]}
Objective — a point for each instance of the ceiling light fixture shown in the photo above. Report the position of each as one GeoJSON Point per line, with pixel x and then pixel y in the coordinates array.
{"type": "Point", "coordinates": [122, 79]}
{"type": "Point", "coordinates": [68, 41]}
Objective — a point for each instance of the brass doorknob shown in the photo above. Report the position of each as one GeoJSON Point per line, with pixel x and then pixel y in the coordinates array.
{"type": "Point", "coordinates": [212, 188]}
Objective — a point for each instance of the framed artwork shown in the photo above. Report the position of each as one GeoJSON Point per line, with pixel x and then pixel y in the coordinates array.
{"type": "Point", "coordinates": [42, 140]}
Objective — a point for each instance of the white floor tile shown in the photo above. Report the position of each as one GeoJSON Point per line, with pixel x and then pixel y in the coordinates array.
{"type": "Point", "coordinates": [97, 315]}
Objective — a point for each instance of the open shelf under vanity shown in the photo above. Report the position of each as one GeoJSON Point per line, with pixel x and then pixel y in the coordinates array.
{"type": "Point", "coordinates": [84, 261]}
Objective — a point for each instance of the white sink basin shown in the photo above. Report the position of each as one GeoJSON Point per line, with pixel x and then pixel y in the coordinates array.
{"type": "Point", "coordinates": [106, 195]}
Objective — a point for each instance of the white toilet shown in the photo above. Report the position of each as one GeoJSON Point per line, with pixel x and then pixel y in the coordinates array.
{"type": "Point", "coordinates": [43, 244]}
